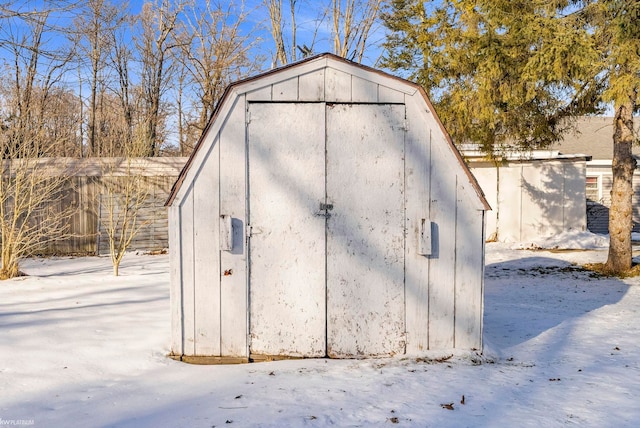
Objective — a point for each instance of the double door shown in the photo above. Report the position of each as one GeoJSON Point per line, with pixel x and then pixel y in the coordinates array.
{"type": "Point", "coordinates": [326, 216]}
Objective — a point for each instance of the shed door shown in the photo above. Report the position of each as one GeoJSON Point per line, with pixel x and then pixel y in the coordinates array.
{"type": "Point", "coordinates": [365, 233]}
{"type": "Point", "coordinates": [326, 281]}
{"type": "Point", "coordinates": [287, 246]}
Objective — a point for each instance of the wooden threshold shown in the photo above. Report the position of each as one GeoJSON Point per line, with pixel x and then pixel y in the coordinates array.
{"type": "Point", "coordinates": [212, 360]}
{"type": "Point", "coordinates": [209, 360]}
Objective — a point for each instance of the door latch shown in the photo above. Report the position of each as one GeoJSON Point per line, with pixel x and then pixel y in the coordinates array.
{"type": "Point", "coordinates": [324, 210]}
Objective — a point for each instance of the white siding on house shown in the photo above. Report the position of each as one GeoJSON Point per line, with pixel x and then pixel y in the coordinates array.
{"type": "Point", "coordinates": [598, 207]}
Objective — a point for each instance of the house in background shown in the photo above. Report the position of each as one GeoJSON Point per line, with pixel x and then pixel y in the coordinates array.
{"type": "Point", "coordinates": [533, 194]}
{"type": "Point", "coordinates": [595, 138]}
{"type": "Point", "coordinates": [546, 192]}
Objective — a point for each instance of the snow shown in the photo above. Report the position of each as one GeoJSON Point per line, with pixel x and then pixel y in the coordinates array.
{"type": "Point", "coordinates": [567, 240]}
{"type": "Point", "coordinates": [79, 347]}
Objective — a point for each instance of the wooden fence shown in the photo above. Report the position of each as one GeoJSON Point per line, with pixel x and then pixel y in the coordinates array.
{"type": "Point", "coordinates": [85, 192]}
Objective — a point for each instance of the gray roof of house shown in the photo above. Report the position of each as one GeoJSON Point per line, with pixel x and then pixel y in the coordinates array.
{"type": "Point", "coordinates": [593, 137]}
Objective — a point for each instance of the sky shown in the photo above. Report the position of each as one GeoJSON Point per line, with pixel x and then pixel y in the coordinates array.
{"type": "Point", "coordinates": [311, 31]}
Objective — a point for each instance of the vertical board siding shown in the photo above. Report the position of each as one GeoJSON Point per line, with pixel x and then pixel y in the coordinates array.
{"type": "Point", "coordinates": [261, 94]}
{"type": "Point", "coordinates": [442, 260]}
{"type": "Point", "coordinates": [311, 86]}
{"type": "Point", "coordinates": [187, 225]}
{"type": "Point", "coordinates": [417, 185]}
{"type": "Point", "coordinates": [206, 255]}
{"type": "Point", "coordinates": [488, 177]}
{"type": "Point", "coordinates": [286, 90]}
{"type": "Point", "coordinates": [535, 198]}
{"type": "Point", "coordinates": [510, 204]}
{"type": "Point", "coordinates": [175, 280]}
{"type": "Point", "coordinates": [364, 91]}
{"type": "Point", "coordinates": [542, 196]}
{"type": "Point", "coordinates": [233, 193]}
{"type": "Point", "coordinates": [469, 271]}
{"type": "Point", "coordinates": [391, 96]}
{"type": "Point", "coordinates": [574, 197]}
{"type": "Point", "coordinates": [337, 86]}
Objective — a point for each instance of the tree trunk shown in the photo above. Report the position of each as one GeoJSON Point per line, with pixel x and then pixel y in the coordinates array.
{"type": "Point", "coordinates": [620, 215]}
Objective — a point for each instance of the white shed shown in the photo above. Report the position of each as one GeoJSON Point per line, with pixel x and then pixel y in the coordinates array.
{"type": "Point", "coordinates": [534, 195]}
{"type": "Point", "coordinates": [325, 212]}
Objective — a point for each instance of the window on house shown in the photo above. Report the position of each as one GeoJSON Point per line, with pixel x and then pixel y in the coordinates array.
{"type": "Point", "coordinates": [593, 188]}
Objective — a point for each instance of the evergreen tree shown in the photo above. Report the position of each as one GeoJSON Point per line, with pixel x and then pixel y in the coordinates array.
{"type": "Point", "coordinates": [616, 29]}
{"type": "Point", "coordinates": [514, 73]}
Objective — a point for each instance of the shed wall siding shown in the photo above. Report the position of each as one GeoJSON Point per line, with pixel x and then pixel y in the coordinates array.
{"type": "Point", "coordinates": [187, 225]}
{"type": "Point", "coordinates": [534, 199]}
{"type": "Point", "coordinates": [574, 203]}
{"type": "Point", "coordinates": [206, 246]}
{"type": "Point", "coordinates": [233, 191]}
{"type": "Point", "coordinates": [442, 260]}
{"type": "Point", "coordinates": [337, 86]}
{"type": "Point", "coordinates": [488, 179]}
{"type": "Point", "coordinates": [468, 274]}
{"type": "Point", "coordinates": [417, 185]}
{"type": "Point", "coordinates": [327, 85]}
{"type": "Point", "coordinates": [311, 86]}
{"type": "Point", "coordinates": [443, 290]}
{"type": "Point", "coordinates": [176, 282]}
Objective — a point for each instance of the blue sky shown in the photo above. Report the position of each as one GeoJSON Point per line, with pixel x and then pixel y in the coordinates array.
{"type": "Point", "coordinates": [310, 31]}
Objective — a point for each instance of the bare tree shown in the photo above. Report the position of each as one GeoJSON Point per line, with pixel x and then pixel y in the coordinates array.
{"type": "Point", "coordinates": [181, 109]}
{"type": "Point", "coordinates": [188, 130]}
{"type": "Point", "coordinates": [30, 190]}
{"type": "Point", "coordinates": [92, 36]}
{"type": "Point", "coordinates": [125, 191]}
{"type": "Point", "coordinates": [158, 23]}
{"type": "Point", "coordinates": [215, 52]}
{"type": "Point", "coordinates": [285, 34]}
{"type": "Point", "coordinates": [352, 24]}
{"type": "Point", "coordinates": [120, 58]}
{"type": "Point", "coordinates": [277, 30]}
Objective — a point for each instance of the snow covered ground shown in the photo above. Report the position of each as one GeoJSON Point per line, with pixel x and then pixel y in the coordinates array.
{"type": "Point", "coordinates": [81, 348]}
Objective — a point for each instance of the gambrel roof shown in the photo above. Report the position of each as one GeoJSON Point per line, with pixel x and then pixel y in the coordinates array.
{"type": "Point", "coordinates": [310, 80]}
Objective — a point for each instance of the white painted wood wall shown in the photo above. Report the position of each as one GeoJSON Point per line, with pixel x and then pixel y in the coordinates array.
{"type": "Point", "coordinates": [213, 292]}
{"type": "Point", "coordinates": [533, 199]}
